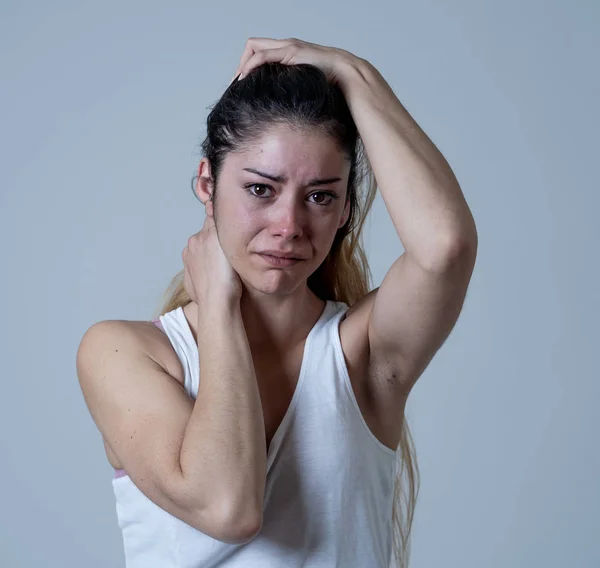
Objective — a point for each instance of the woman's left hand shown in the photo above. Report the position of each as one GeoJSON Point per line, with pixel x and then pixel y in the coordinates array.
{"type": "Point", "coordinates": [291, 51]}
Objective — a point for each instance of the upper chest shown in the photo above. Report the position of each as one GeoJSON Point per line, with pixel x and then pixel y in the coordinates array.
{"type": "Point", "coordinates": [277, 375]}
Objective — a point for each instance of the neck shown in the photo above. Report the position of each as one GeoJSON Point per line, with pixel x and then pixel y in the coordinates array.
{"type": "Point", "coordinates": [276, 322]}
{"type": "Point", "coordinates": [273, 323]}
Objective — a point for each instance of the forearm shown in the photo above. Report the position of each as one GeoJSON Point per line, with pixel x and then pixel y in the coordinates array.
{"type": "Point", "coordinates": [420, 191]}
{"type": "Point", "coordinates": [224, 443]}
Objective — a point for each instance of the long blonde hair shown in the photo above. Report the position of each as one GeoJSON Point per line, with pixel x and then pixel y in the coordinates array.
{"type": "Point", "coordinates": [343, 276]}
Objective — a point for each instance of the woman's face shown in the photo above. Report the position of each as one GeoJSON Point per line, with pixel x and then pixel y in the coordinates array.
{"type": "Point", "coordinates": [291, 214]}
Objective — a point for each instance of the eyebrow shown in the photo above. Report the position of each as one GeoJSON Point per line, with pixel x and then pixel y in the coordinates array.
{"type": "Point", "coordinates": [284, 179]}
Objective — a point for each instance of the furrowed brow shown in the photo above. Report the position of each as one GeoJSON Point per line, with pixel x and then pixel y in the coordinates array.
{"type": "Point", "coordinates": [284, 179]}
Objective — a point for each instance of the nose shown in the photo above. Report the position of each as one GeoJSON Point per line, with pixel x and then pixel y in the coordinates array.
{"type": "Point", "coordinates": [288, 220]}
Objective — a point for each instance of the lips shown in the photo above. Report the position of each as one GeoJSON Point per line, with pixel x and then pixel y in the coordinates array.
{"type": "Point", "coordinates": [277, 254]}
{"type": "Point", "coordinates": [279, 261]}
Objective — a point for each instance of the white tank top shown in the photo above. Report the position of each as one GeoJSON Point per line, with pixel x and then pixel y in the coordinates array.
{"type": "Point", "coordinates": [329, 485]}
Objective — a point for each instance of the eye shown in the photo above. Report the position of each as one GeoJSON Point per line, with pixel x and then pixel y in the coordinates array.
{"type": "Point", "coordinates": [332, 196]}
{"type": "Point", "coordinates": [249, 187]}
{"type": "Point", "coordinates": [329, 194]}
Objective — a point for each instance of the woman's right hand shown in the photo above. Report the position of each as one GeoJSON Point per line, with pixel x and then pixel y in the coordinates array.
{"type": "Point", "coordinates": [209, 276]}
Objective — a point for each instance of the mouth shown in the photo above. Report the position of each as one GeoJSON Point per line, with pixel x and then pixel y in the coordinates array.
{"type": "Point", "coordinates": [280, 261]}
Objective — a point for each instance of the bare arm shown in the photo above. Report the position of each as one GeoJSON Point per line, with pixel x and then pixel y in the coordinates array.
{"type": "Point", "coordinates": [144, 413]}
{"type": "Point", "coordinates": [228, 412]}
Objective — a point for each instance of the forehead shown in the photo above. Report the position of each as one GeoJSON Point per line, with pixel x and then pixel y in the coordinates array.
{"type": "Point", "coordinates": [295, 153]}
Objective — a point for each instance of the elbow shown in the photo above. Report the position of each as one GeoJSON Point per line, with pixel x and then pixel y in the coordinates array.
{"type": "Point", "coordinates": [235, 526]}
{"type": "Point", "coordinates": [457, 249]}
{"type": "Point", "coordinates": [243, 532]}
{"type": "Point", "coordinates": [236, 531]}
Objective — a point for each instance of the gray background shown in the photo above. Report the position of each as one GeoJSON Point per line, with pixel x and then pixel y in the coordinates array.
{"type": "Point", "coordinates": [102, 107]}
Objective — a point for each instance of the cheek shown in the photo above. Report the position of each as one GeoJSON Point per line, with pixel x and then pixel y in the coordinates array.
{"type": "Point", "coordinates": [236, 238]}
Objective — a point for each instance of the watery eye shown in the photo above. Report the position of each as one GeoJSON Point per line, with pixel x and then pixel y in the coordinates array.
{"type": "Point", "coordinates": [250, 187]}
{"type": "Point", "coordinates": [323, 194]}
{"type": "Point", "coordinates": [257, 190]}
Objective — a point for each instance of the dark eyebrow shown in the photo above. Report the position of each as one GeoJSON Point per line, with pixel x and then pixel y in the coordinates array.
{"type": "Point", "coordinates": [283, 179]}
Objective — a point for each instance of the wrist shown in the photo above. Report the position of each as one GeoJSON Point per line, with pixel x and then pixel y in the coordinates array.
{"type": "Point", "coordinates": [218, 308]}
{"type": "Point", "coordinates": [219, 333]}
{"type": "Point", "coordinates": [352, 69]}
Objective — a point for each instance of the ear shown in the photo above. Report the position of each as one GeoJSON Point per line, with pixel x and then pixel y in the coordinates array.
{"type": "Point", "coordinates": [204, 185]}
{"type": "Point", "coordinates": [345, 214]}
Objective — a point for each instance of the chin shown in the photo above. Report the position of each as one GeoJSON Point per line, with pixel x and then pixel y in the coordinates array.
{"type": "Point", "coordinates": [272, 282]}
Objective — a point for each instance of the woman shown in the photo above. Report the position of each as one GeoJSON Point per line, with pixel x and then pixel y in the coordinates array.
{"type": "Point", "coordinates": [256, 421]}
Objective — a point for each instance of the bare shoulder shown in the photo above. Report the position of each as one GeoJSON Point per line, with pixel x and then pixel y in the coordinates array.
{"type": "Point", "coordinates": [357, 315]}
{"type": "Point", "coordinates": [142, 349]}
{"type": "Point", "coordinates": [142, 336]}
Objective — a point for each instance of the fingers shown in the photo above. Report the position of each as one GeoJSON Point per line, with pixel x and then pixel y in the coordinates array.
{"type": "Point", "coordinates": [278, 55]}
{"type": "Point", "coordinates": [255, 44]}
{"type": "Point", "coordinates": [248, 52]}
